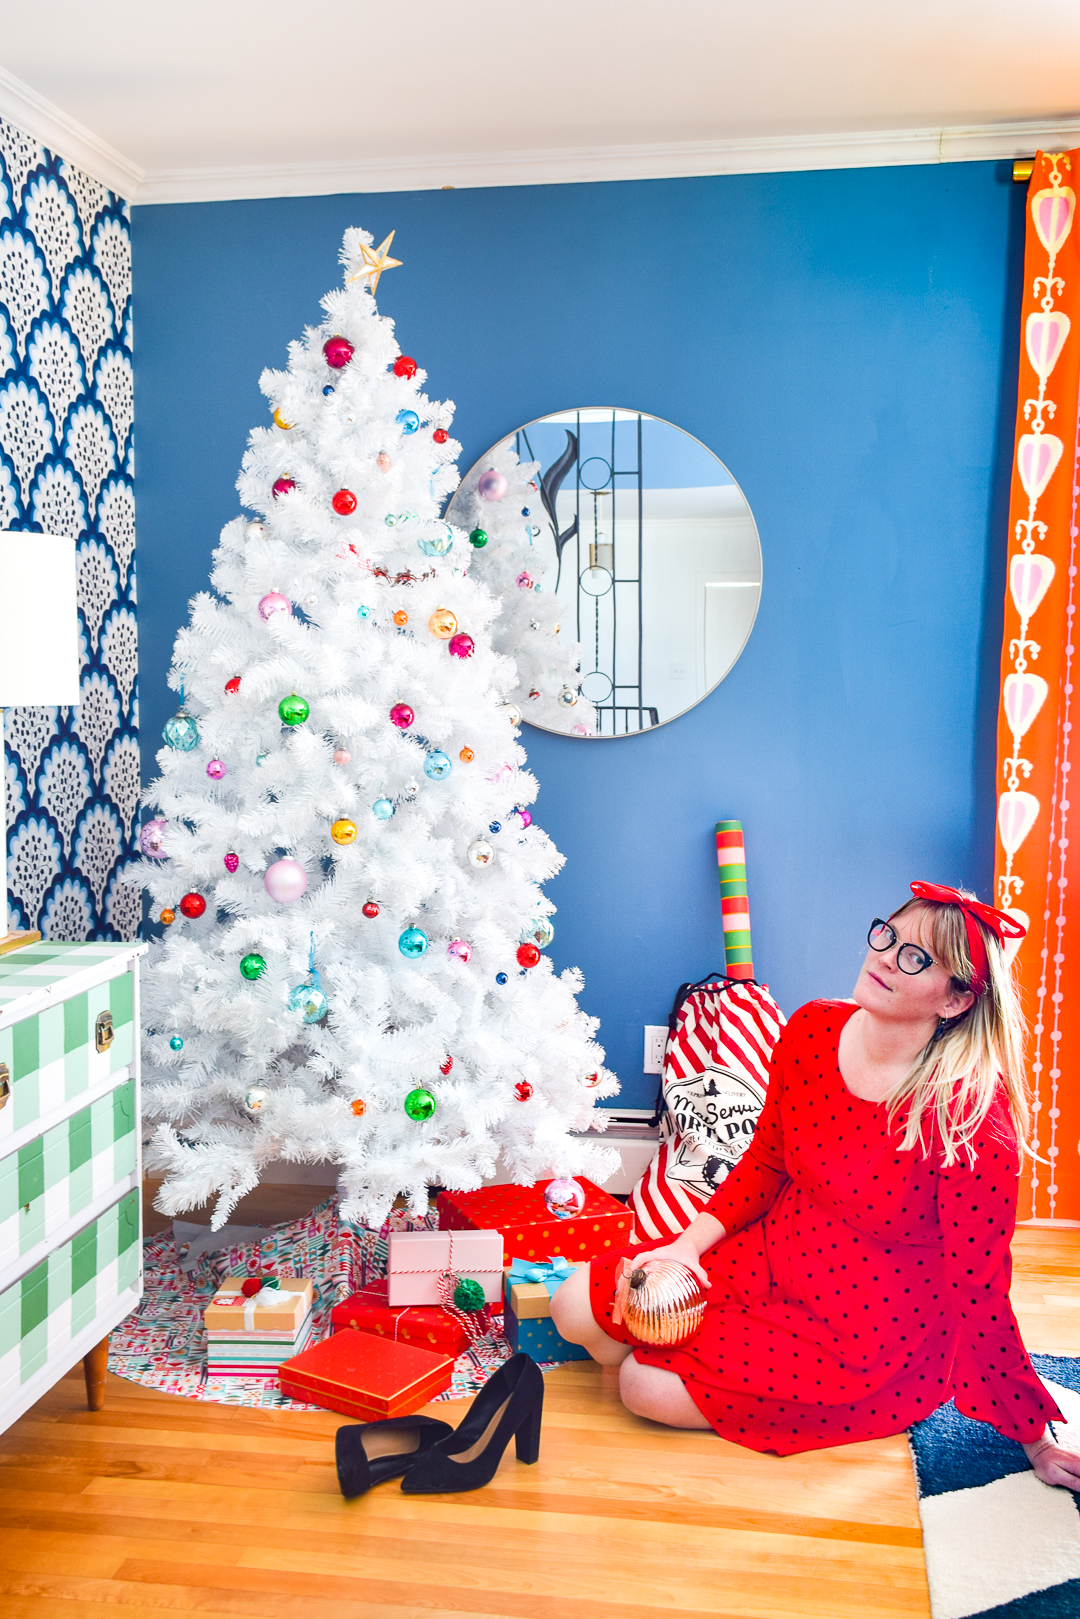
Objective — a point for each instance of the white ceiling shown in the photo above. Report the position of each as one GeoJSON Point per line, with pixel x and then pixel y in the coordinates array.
{"type": "Point", "coordinates": [216, 98]}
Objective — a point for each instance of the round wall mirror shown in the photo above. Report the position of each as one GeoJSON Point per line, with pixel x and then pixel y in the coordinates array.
{"type": "Point", "coordinates": [648, 547]}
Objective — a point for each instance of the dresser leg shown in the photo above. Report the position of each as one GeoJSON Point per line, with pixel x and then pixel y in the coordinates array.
{"type": "Point", "coordinates": [94, 1365]}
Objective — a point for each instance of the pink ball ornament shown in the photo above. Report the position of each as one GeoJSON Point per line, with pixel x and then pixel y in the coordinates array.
{"type": "Point", "coordinates": [342, 756]}
{"type": "Point", "coordinates": [461, 646]}
{"type": "Point", "coordinates": [402, 716]}
{"type": "Point", "coordinates": [285, 881]}
{"type": "Point", "coordinates": [524, 581]}
{"type": "Point", "coordinates": [337, 351]}
{"type": "Point", "coordinates": [460, 949]}
{"type": "Point", "coordinates": [152, 839]}
{"type": "Point", "coordinates": [383, 461]}
{"type": "Point", "coordinates": [273, 602]}
{"type": "Point", "coordinates": [525, 817]}
{"type": "Point", "coordinates": [491, 486]}
{"type": "Point", "coordinates": [216, 769]}
{"type": "Point", "coordinates": [282, 486]}
{"type": "Point", "coordinates": [232, 861]}
{"type": "Point", "coordinates": [564, 1197]}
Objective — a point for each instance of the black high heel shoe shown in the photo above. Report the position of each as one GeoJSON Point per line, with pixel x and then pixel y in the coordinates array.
{"type": "Point", "coordinates": [510, 1403]}
{"type": "Point", "coordinates": [370, 1452]}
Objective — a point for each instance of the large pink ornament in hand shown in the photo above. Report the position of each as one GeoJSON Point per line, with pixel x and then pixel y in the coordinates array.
{"type": "Point", "coordinates": [152, 839]}
{"type": "Point", "coordinates": [274, 602]}
{"type": "Point", "coordinates": [491, 486]}
{"type": "Point", "coordinates": [285, 881]}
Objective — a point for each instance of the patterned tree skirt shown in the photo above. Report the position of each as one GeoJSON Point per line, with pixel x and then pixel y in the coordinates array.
{"type": "Point", "coordinates": [162, 1344]}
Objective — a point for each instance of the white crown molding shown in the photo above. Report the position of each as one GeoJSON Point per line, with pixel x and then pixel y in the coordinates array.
{"type": "Point", "coordinates": [65, 136]}
{"type": "Point", "coordinates": [751, 155]}
{"type": "Point", "coordinates": [764, 154]}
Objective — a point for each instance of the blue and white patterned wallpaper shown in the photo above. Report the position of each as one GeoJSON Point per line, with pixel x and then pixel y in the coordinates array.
{"type": "Point", "coordinates": [66, 468]}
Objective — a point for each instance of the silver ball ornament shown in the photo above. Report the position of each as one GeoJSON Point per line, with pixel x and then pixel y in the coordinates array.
{"type": "Point", "coordinates": [256, 1098]}
{"type": "Point", "coordinates": [480, 853]}
{"type": "Point", "coordinates": [568, 697]}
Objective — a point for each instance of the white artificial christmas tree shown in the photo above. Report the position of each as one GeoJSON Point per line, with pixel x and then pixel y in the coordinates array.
{"type": "Point", "coordinates": [500, 503]}
{"type": "Point", "coordinates": [353, 971]}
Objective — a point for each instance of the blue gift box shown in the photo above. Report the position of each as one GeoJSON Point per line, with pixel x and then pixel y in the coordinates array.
{"type": "Point", "coordinates": [536, 1335]}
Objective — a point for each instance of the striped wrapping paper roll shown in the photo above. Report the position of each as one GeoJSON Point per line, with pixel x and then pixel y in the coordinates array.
{"type": "Point", "coordinates": [734, 905]}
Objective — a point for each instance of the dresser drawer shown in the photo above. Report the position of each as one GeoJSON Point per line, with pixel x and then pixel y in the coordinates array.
{"type": "Point", "coordinates": [64, 1051]}
{"type": "Point", "coordinates": [46, 1309]}
{"type": "Point", "coordinates": [50, 1180]}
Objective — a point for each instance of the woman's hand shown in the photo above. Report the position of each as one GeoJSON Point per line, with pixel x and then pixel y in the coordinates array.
{"type": "Point", "coordinates": [1053, 1463]}
{"type": "Point", "coordinates": [682, 1249]}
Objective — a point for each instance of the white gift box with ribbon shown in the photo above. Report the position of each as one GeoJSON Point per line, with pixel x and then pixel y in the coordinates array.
{"type": "Point", "coordinates": [418, 1259]}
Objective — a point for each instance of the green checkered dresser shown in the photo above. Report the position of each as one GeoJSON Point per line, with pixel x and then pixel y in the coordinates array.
{"type": "Point", "coordinates": [70, 1164]}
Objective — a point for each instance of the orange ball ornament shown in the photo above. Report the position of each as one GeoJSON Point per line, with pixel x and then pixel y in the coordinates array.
{"type": "Point", "coordinates": [466, 756]}
{"type": "Point", "coordinates": [343, 831]}
{"type": "Point", "coordinates": [401, 617]}
{"type": "Point", "coordinates": [167, 917]}
{"type": "Point", "coordinates": [359, 1106]}
{"type": "Point", "coordinates": [442, 623]}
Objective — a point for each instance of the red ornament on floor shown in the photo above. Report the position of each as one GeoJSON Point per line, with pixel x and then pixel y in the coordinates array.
{"type": "Point", "coordinates": [528, 955]}
{"type": "Point", "coordinates": [344, 502]}
{"type": "Point", "coordinates": [193, 905]}
{"type": "Point", "coordinates": [370, 909]}
{"type": "Point", "coordinates": [404, 366]}
{"type": "Point", "coordinates": [233, 686]}
{"type": "Point", "coordinates": [440, 435]}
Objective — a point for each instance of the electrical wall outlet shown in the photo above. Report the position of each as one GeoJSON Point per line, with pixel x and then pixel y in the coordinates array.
{"type": "Point", "coordinates": [655, 1045]}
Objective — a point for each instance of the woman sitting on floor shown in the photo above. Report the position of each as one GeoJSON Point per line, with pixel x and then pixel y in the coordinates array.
{"type": "Point", "coordinates": [857, 1257]}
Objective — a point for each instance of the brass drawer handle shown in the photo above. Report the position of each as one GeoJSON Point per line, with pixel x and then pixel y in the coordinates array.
{"type": "Point", "coordinates": [103, 1031]}
{"type": "Point", "coordinates": [5, 1083]}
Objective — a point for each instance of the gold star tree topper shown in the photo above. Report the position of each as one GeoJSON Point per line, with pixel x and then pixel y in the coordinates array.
{"type": "Point", "coordinates": [375, 261]}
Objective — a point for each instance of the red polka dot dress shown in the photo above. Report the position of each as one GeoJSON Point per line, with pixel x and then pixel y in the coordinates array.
{"type": "Point", "coordinates": [859, 1286]}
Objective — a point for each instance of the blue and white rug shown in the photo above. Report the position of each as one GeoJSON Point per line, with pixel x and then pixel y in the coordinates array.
{"type": "Point", "coordinates": [999, 1544]}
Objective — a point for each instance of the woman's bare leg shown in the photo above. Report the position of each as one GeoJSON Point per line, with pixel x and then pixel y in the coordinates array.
{"type": "Point", "coordinates": [649, 1391]}
{"type": "Point", "coordinates": [573, 1317]}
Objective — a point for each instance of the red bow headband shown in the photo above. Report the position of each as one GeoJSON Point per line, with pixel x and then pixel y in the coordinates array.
{"type": "Point", "coordinates": [1001, 924]}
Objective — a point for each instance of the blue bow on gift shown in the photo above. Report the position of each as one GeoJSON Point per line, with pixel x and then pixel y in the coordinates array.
{"type": "Point", "coordinates": [553, 1274]}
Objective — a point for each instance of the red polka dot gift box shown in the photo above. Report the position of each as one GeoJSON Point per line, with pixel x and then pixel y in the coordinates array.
{"type": "Point", "coordinates": [530, 1230]}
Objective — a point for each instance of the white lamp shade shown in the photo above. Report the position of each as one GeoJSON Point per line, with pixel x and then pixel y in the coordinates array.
{"type": "Point", "coordinates": [39, 620]}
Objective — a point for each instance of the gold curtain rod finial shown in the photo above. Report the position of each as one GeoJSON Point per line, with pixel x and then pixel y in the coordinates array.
{"type": "Point", "coordinates": [1022, 168]}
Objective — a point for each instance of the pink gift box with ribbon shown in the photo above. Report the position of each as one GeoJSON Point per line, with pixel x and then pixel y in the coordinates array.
{"type": "Point", "coordinates": [418, 1259]}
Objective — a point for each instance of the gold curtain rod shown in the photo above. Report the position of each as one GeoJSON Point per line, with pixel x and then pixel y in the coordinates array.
{"type": "Point", "coordinates": [1022, 168]}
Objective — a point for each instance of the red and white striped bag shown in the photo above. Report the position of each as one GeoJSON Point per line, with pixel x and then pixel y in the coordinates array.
{"type": "Point", "coordinates": [716, 1070]}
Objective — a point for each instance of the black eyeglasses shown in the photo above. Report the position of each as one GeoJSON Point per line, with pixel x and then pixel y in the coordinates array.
{"type": "Point", "coordinates": [910, 958]}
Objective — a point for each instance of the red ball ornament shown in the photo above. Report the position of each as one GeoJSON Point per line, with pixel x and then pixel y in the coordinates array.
{"type": "Point", "coordinates": [370, 909]}
{"type": "Point", "coordinates": [193, 905]}
{"type": "Point", "coordinates": [283, 485]}
{"type": "Point", "coordinates": [461, 646]}
{"type": "Point", "coordinates": [528, 955]}
{"type": "Point", "coordinates": [445, 1067]}
{"type": "Point", "coordinates": [233, 686]}
{"type": "Point", "coordinates": [440, 435]}
{"type": "Point", "coordinates": [523, 1090]}
{"type": "Point", "coordinates": [402, 716]}
{"type": "Point", "coordinates": [344, 502]}
{"type": "Point", "coordinates": [404, 366]}
{"type": "Point", "coordinates": [337, 351]}
{"type": "Point", "coordinates": [250, 1286]}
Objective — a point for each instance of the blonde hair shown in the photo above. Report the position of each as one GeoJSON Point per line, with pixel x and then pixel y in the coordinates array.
{"type": "Point", "coordinates": [953, 1083]}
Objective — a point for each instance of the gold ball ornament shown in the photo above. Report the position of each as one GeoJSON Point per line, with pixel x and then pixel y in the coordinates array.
{"type": "Point", "coordinates": [279, 421]}
{"type": "Point", "coordinates": [442, 623]}
{"type": "Point", "coordinates": [664, 1304]}
{"type": "Point", "coordinates": [343, 831]}
{"type": "Point", "coordinates": [167, 917]}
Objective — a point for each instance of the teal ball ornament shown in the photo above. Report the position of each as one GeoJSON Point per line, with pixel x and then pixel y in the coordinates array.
{"type": "Point", "coordinates": [181, 732]}
{"type": "Point", "coordinates": [308, 999]}
{"type": "Point", "coordinates": [438, 544]}
{"type": "Point", "coordinates": [382, 809]}
{"type": "Point", "coordinates": [420, 1105]}
{"type": "Point", "coordinates": [437, 766]}
{"type": "Point", "coordinates": [176, 1044]}
{"type": "Point", "coordinates": [413, 943]}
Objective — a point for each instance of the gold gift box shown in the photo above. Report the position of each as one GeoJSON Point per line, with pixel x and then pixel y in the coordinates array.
{"type": "Point", "coordinates": [286, 1316]}
{"type": "Point", "coordinates": [530, 1301]}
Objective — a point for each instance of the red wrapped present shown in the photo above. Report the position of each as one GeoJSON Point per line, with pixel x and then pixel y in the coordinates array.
{"type": "Point", "coordinates": [529, 1229]}
{"type": "Point", "coordinates": [366, 1377]}
{"type": "Point", "coordinates": [426, 1326]}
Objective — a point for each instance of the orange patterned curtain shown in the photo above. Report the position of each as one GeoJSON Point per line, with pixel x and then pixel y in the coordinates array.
{"type": "Point", "coordinates": [1037, 846]}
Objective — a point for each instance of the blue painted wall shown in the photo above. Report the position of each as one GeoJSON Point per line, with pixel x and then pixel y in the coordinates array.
{"type": "Point", "coordinates": [846, 342]}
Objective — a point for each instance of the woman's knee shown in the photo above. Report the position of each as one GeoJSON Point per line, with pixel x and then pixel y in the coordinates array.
{"type": "Point", "coordinates": [571, 1310]}
{"type": "Point", "coordinates": [650, 1391]}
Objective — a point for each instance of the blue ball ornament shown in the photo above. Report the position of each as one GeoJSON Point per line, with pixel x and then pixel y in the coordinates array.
{"type": "Point", "coordinates": [309, 1000]}
{"type": "Point", "coordinates": [437, 766]}
{"type": "Point", "coordinates": [176, 1044]}
{"type": "Point", "coordinates": [500, 978]}
{"type": "Point", "coordinates": [328, 390]}
{"type": "Point", "coordinates": [407, 420]}
{"type": "Point", "coordinates": [382, 809]}
{"type": "Point", "coordinates": [363, 612]}
{"type": "Point", "coordinates": [413, 943]}
{"type": "Point", "coordinates": [439, 544]}
{"type": "Point", "coordinates": [525, 511]}
{"type": "Point", "coordinates": [496, 826]}
{"type": "Point", "coordinates": [181, 732]}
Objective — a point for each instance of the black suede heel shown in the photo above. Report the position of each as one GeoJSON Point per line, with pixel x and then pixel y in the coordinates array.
{"type": "Point", "coordinates": [362, 1459]}
{"type": "Point", "coordinates": [510, 1404]}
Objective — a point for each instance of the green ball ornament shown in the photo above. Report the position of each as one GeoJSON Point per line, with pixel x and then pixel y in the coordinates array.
{"type": "Point", "coordinates": [420, 1105]}
{"type": "Point", "coordinates": [478, 538]}
{"type": "Point", "coordinates": [252, 965]}
{"type": "Point", "coordinates": [469, 1295]}
{"type": "Point", "coordinates": [293, 710]}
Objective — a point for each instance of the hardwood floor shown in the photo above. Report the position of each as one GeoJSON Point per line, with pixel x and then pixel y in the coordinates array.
{"type": "Point", "coordinates": [157, 1505]}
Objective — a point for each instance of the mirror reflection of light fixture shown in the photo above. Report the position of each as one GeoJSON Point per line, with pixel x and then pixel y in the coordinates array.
{"type": "Point", "coordinates": [39, 648]}
{"type": "Point", "coordinates": [602, 545]}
